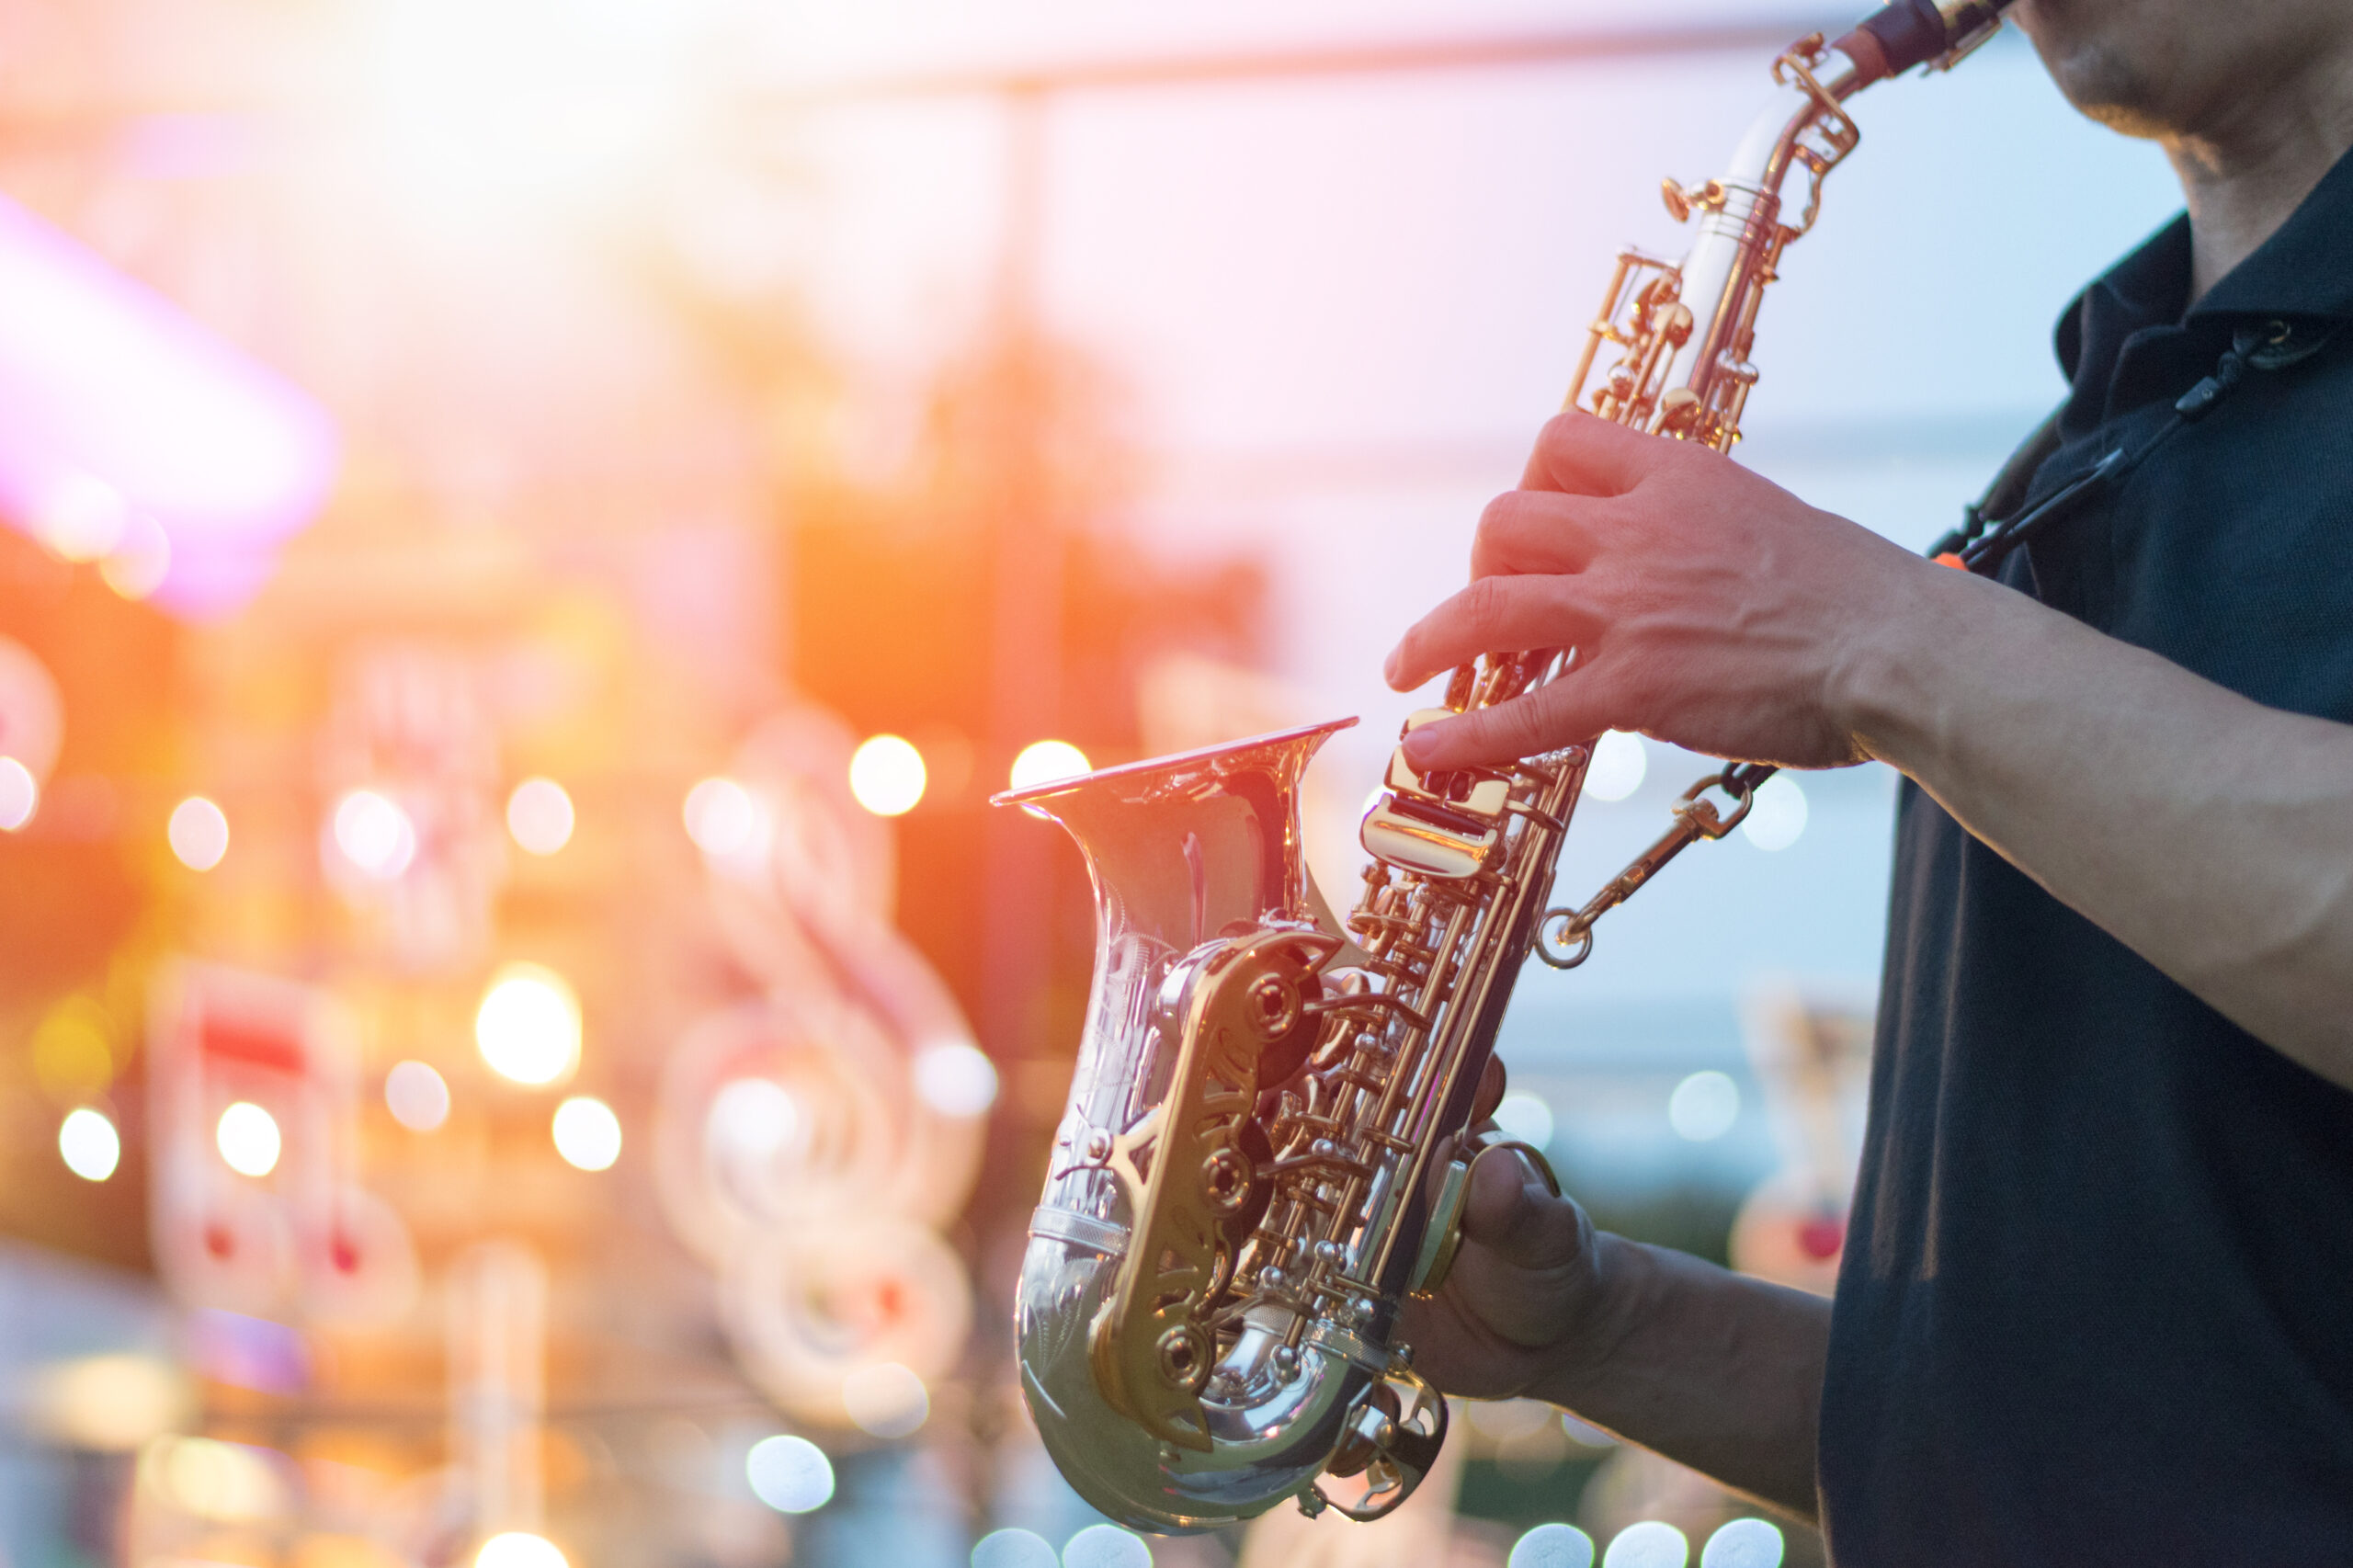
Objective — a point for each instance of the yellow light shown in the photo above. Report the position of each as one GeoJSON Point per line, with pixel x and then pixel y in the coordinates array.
{"type": "Point", "coordinates": [248, 1139]}
{"type": "Point", "coordinates": [529, 1025]}
{"type": "Point", "coordinates": [89, 1145]}
{"type": "Point", "coordinates": [108, 1404]}
{"type": "Point", "coordinates": [587, 1133]}
{"type": "Point", "coordinates": [1043, 762]}
{"type": "Point", "coordinates": [199, 833]}
{"type": "Point", "coordinates": [722, 817]}
{"type": "Point", "coordinates": [886, 774]}
{"type": "Point", "coordinates": [19, 794]}
{"type": "Point", "coordinates": [518, 1549]}
{"type": "Point", "coordinates": [538, 814]}
{"type": "Point", "coordinates": [226, 1482]}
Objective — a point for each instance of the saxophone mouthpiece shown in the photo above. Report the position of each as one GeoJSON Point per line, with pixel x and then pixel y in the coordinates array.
{"type": "Point", "coordinates": [1905, 33]}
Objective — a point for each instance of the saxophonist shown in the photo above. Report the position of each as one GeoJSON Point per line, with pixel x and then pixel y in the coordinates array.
{"type": "Point", "coordinates": [2098, 1302]}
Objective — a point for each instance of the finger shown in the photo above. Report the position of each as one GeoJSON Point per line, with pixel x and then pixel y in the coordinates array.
{"type": "Point", "coordinates": [1568, 711]}
{"type": "Point", "coordinates": [1525, 531]}
{"type": "Point", "coordinates": [1493, 615]}
{"type": "Point", "coordinates": [1491, 1091]}
{"type": "Point", "coordinates": [1510, 1211]}
{"type": "Point", "coordinates": [1584, 454]}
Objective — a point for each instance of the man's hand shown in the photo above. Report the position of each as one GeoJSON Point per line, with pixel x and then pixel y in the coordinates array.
{"type": "Point", "coordinates": [1521, 1294]}
{"type": "Point", "coordinates": [1717, 1370]}
{"type": "Point", "coordinates": [1708, 606]}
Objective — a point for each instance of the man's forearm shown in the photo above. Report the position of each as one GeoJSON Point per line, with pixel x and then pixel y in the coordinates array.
{"type": "Point", "coordinates": [1714, 1370]}
{"type": "Point", "coordinates": [2210, 835]}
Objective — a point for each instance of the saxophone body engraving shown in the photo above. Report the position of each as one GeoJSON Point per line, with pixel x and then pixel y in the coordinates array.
{"type": "Point", "coordinates": [1266, 1147]}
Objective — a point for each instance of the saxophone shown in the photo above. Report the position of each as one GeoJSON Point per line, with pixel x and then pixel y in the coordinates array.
{"type": "Point", "coordinates": [1266, 1149]}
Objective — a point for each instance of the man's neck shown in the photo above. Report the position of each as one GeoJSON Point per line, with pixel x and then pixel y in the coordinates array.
{"type": "Point", "coordinates": [2244, 177]}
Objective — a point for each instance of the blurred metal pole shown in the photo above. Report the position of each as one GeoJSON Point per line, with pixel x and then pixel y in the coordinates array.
{"type": "Point", "coordinates": [497, 1300]}
{"type": "Point", "coordinates": [1025, 593]}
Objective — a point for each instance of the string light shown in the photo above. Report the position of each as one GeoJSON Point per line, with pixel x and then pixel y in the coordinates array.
{"type": "Point", "coordinates": [528, 1026]}
{"type": "Point", "coordinates": [587, 1133]}
{"type": "Point", "coordinates": [374, 833]}
{"type": "Point", "coordinates": [1650, 1544]}
{"type": "Point", "coordinates": [1703, 1106]}
{"type": "Point", "coordinates": [538, 814]}
{"type": "Point", "coordinates": [1620, 763]}
{"type": "Point", "coordinates": [520, 1549]}
{"type": "Point", "coordinates": [248, 1139]}
{"type": "Point", "coordinates": [88, 1144]}
{"type": "Point", "coordinates": [1778, 815]}
{"type": "Point", "coordinates": [887, 775]}
{"type": "Point", "coordinates": [417, 1097]}
{"type": "Point", "coordinates": [791, 1476]}
{"type": "Point", "coordinates": [956, 1079]}
{"type": "Point", "coordinates": [1044, 761]}
{"type": "Point", "coordinates": [1552, 1546]}
{"type": "Point", "coordinates": [19, 794]}
{"type": "Point", "coordinates": [198, 833]}
{"type": "Point", "coordinates": [722, 817]}
{"type": "Point", "coordinates": [1527, 1117]}
{"type": "Point", "coordinates": [1106, 1546]}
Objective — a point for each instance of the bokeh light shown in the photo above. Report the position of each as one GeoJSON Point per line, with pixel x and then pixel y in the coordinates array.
{"type": "Point", "coordinates": [89, 1145]}
{"type": "Point", "coordinates": [248, 1139]}
{"type": "Point", "coordinates": [81, 518]}
{"type": "Point", "coordinates": [1743, 1543]}
{"type": "Point", "coordinates": [1703, 1106]}
{"type": "Point", "coordinates": [791, 1476]}
{"type": "Point", "coordinates": [1106, 1546]}
{"type": "Point", "coordinates": [1552, 1546]}
{"type": "Point", "coordinates": [1527, 1117]}
{"type": "Point", "coordinates": [956, 1079]}
{"type": "Point", "coordinates": [722, 817]}
{"type": "Point", "coordinates": [374, 833]}
{"type": "Point", "coordinates": [1651, 1544]}
{"type": "Point", "coordinates": [1619, 764]}
{"type": "Point", "coordinates": [538, 815]}
{"type": "Point", "coordinates": [520, 1549]}
{"type": "Point", "coordinates": [1777, 816]}
{"type": "Point", "coordinates": [886, 1399]}
{"type": "Point", "coordinates": [528, 1026]}
{"type": "Point", "coordinates": [141, 562]}
{"type": "Point", "coordinates": [887, 775]}
{"type": "Point", "coordinates": [417, 1097]}
{"type": "Point", "coordinates": [198, 833]}
{"type": "Point", "coordinates": [19, 794]}
{"type": "Point", "coordinates": [1015, 1549]}
{"type": "Point", "coordinates": [1043, 762]}
{"type": "Point", "coordinates": [225, 1482]}
{"type": "Point", "coordinates": [753, 1118]}
{"type": "Point", "coordinates": [587, 1133]}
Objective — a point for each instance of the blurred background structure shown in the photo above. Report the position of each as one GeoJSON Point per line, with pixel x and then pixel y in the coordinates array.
{"type": "Point", "coordinates": [534, 528]}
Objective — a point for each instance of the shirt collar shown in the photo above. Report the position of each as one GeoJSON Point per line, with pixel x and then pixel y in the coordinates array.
{"type": "Point", "coordinates": [2303, 269]}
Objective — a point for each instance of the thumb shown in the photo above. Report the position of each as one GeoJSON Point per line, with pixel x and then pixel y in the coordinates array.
{"type": "Point", "coordinates": [1514, 1215]}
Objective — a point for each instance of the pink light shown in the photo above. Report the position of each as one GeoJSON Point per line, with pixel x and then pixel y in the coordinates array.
{"type": "Point", "coordinates": [112, 398]}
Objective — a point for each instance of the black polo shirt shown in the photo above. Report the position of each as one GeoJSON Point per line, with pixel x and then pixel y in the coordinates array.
{"type": "Point", "coordinates": [2097, 1305]}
